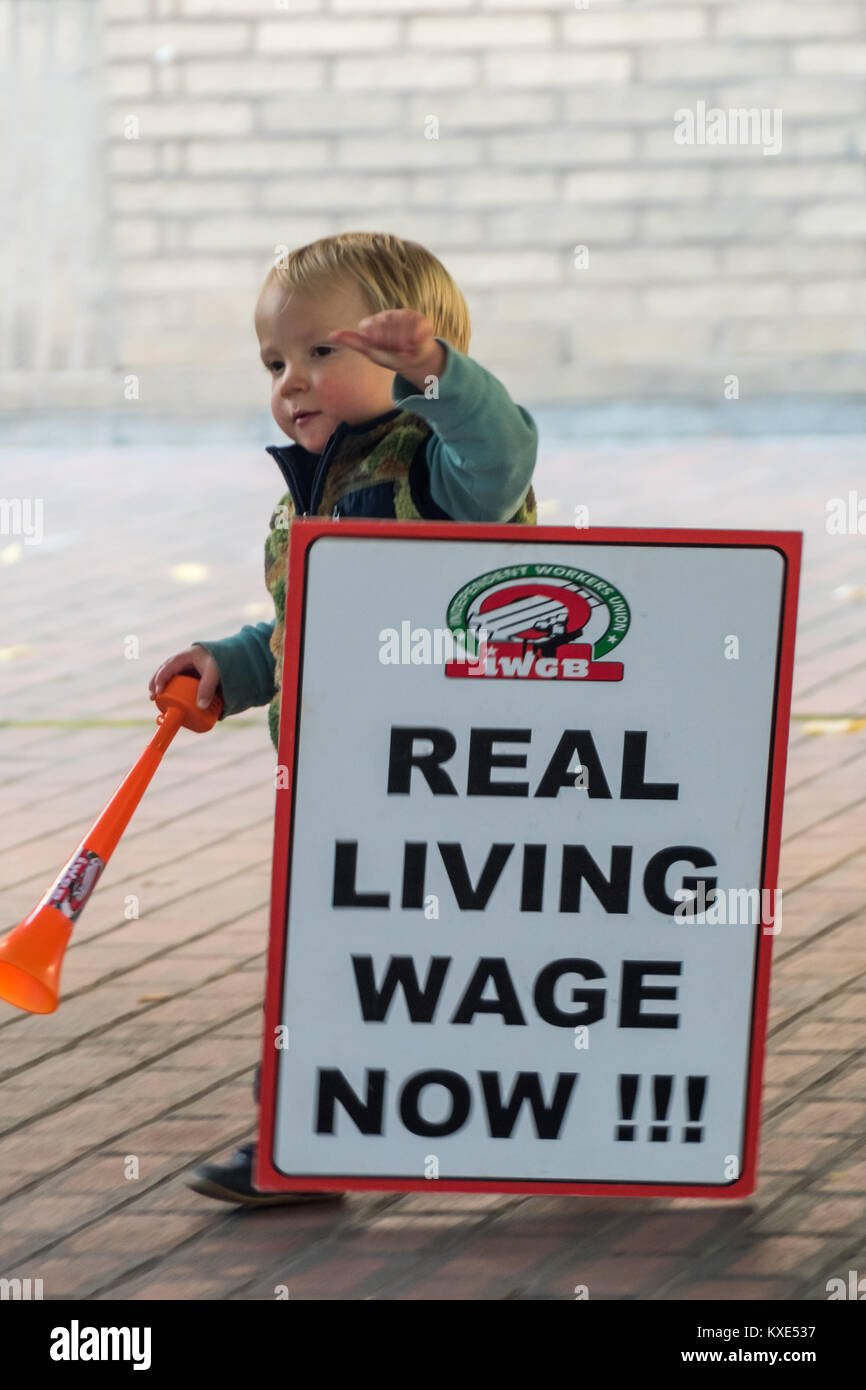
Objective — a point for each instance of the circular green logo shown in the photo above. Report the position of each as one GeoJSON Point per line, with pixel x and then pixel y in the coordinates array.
{"type": "Point", "coordinates": [523, 599]}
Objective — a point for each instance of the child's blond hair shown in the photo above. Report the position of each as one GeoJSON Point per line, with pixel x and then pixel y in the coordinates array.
{"type": "Point", "coordinates": [390, 272]}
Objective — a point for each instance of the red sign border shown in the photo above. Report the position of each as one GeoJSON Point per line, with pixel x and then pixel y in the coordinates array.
{"type": "Point", "coordinates": [304, 533]}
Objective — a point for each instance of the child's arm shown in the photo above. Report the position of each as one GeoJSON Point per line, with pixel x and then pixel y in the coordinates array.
{"type": "Point", "coordinates": [484, 446]}
{"type": "Point", "coordinates": [483, 450]}
{"type": "Point", "coordinates": [246, 666]}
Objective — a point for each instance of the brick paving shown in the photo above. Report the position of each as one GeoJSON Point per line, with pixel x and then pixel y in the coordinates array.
{"type": "Point", "coordinates": [151, 1054]}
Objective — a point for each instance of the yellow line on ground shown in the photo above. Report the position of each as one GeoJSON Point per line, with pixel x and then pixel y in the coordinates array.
{"type": "Point", "coordinates": [854, 721]}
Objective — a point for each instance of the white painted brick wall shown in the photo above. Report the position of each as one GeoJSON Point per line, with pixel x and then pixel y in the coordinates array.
{"type": "Point", "coordinates": [848, 58]}
{"type": "Point", "coordinates": [257, 159]}
{"type": "Point", "coordinates": [459, 32]}
{"type": "Point", "coordinates": [262, 125]}
{"type": "Point", "coordinates": [787, 21]}
{"type": "Point", "coordinates": [628, 25]}
{"type": "Point", "coordinates": [181, 120]}
{"type": "Point", "coordinates": [142, 40]}
{"type": "Point", "coordinates": [405, 72]}
{"type": "Point", "coordinates": [327, 35]}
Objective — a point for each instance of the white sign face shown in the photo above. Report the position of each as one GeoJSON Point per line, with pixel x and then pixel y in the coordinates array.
{"type": "Point", "coordinates": [488, 975]}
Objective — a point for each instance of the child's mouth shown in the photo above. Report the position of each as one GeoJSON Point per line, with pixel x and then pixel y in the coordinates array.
{"type": "Point", "coordinates": [304, 416]}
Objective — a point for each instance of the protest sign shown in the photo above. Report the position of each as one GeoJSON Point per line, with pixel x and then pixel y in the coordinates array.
{"type": "Point", "coordinates": [526, 844]}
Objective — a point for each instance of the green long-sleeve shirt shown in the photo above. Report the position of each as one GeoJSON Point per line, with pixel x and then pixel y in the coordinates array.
{"type": "Point", "coordinates": [480, 455]}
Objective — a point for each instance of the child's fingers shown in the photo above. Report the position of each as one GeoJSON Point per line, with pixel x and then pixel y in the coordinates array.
{"type": "Point", "coordinates": [393, 330]}
{"type": "Point", "coordinates": [189, 662]}
{"type": "Point", "coordinates": [391, 337]}
{"type": "Point", "coordinates": [208, 683]}
{"type": "Point", "coordinates": [350, 339]}
{"type": "Point", "coordinates": [398, 329]}
{"type": "Point", "coordinates": [396, 321]}
{"type": "Point", "coordinates": [158, 679]}
{"type": "Point", "coordinates": [203, 699]}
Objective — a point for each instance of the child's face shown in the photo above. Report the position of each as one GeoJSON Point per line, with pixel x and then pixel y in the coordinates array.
{"type": "Point", "coordinates": [333, 382]}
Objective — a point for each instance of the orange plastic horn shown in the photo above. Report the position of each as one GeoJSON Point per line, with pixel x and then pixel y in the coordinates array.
{"type": "Point", "coordinates": [31, 956]}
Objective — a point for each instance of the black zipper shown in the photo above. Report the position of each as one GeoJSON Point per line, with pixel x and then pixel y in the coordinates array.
{"type": "Point", "coordinates": [284, 459]}
{"type": "Point", "coordinates": [319, 476]}
{"type": "Point", "coordinates": [306, 506]}
{"type": "Point", "coordinates": [288, 472]}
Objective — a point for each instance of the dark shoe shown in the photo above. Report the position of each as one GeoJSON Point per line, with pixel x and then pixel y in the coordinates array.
{"type": "Point", "coordinates": [233, 1182]}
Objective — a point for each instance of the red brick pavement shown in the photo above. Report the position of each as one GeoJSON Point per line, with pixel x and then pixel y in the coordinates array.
{"type": "Point", "coordinates": [151, 1054]}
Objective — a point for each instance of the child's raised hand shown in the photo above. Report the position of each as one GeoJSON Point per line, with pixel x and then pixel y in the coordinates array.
{"type": "Point", "coordinates": [194, 661]}
{"type": "Point", "coordinates": [399, 339]}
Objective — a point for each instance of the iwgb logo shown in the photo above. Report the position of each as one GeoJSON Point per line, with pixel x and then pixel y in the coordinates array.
{"type": "Point", "coordinates": [522, 622]}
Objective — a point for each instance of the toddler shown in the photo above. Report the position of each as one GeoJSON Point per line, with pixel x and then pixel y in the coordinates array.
{"type": "Point", "coordinates": [364, 337]}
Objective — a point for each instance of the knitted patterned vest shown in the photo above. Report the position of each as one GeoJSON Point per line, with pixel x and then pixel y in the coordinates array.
{"type": "Point", "coordinates": [378, 471]}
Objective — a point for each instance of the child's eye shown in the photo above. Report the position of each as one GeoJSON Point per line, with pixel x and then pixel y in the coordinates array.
{"type": "Point", "coordinates": [271, 365]}
{"type": "Point", "coordinates": [323, 347]}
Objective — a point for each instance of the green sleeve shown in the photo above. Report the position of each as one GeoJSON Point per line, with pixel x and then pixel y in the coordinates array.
{"type": "Point", "coordinates": [246, 667]}
{"type": "Point", "coordinates": [484, 447]}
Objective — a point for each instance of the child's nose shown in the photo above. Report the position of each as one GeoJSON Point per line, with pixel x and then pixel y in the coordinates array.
{"type": "Point", "coordinates": [293, 376]}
